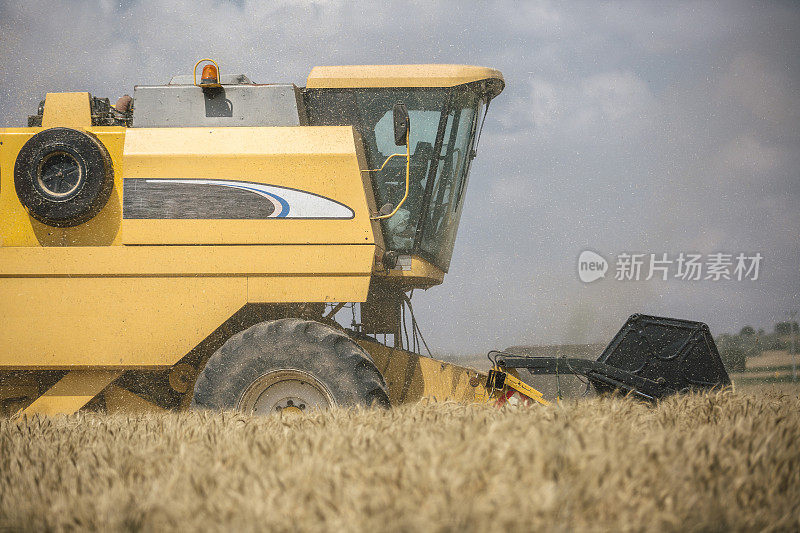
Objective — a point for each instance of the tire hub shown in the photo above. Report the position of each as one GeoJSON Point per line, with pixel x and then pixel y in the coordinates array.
{"type": "Point", "coordinates": [285, 391]}
{"type": "Point", "coordinates": [59, 175]}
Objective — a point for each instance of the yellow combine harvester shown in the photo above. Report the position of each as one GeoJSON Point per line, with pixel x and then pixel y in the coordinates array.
{"type": "Point", "coordinates": [193, 245]}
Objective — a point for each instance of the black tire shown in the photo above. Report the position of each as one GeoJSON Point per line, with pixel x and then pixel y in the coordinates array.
{"type": "Point", "coordinates": [63, 177]}
{"type": "Point", "coordinates": [329, 356]}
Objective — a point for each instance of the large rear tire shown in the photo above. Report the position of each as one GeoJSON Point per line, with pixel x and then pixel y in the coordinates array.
{"type": "Point", "coordinates": [289, 364]}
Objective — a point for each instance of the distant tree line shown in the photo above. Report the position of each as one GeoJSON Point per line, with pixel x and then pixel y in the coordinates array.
{"type": "Point", "coordinates": [735, 349]}
{"type": "Point", "coordinates": [786, 328]}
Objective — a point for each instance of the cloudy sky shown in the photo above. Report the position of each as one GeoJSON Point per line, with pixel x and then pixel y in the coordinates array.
{"type": "Point", "coordinates": [653, 127]}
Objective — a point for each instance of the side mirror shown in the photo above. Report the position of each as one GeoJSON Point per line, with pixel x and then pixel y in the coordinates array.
{"type": "Point", "coordinates": [401, 124]}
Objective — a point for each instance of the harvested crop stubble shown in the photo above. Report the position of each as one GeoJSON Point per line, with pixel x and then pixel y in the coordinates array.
{"type": "Point", "coordinates": [711, 462]}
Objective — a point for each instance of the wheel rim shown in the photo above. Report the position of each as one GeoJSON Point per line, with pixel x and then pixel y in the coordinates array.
{"type": "Point", "coordinates": [59, 175]}
{"type": "Point", "coordinates": [289, 391]}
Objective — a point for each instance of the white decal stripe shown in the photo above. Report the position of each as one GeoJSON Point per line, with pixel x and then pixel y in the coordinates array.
{"type": "Point", "coordinates": [294, 203]}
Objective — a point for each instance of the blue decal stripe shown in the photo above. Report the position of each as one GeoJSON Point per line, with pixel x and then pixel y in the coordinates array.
{"type": "Point", "coordinates": [284, 204]}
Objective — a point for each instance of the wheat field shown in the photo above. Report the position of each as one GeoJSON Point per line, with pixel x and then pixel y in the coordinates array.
{"type": "Point", "coordinates": [726, 461]}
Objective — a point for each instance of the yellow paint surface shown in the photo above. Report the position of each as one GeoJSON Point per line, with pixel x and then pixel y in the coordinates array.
{"type": "Point", "coordinates": [70, 110]}
{"type": "Point", "coordinates": [321, 160]}
{"type": "Point", "coordinates": [411, 377]}
{"type": "Point", "coordinates": [420, 274]}
{"type": "Point", "coordinates": [147, 261]}
{"type": "Point", "coordinates": [111, 322]}
{"type": "Point", "coordinates": [77, 297]}
{"type": "Point", "coordinates": [148, 306]}
{"type": "Point", "coordinates": [355, 76]}
{"type": "Point", "coordinates": [72, 392]}
{"type": "Point", "coordinates": [122, 401]}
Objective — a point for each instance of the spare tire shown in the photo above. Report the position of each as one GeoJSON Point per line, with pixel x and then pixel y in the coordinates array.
{"type": "Point", "coordinates": [63, 176]}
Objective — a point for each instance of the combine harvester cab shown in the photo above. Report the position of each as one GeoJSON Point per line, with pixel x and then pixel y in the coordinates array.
{"type": "Point", "coordinates": [192, 245]}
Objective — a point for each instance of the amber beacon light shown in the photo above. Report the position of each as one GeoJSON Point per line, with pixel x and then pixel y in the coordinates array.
{"type": "Point", "coordinates": [210, 75]}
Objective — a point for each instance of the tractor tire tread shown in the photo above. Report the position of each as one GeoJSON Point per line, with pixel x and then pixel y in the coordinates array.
{"type": "Point", "coordinates": [329, 355]}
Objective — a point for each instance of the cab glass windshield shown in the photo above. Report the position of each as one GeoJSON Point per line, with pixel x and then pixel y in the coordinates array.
{"type": "Point", "coordinates": [443, 123]}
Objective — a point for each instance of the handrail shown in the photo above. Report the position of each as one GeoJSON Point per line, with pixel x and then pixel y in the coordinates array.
{"type": "Point", "coordinates": [407, 155]}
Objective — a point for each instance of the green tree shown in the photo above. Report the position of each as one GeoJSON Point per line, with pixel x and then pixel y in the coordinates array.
{"type": "Point", "coordinates": [786, 328]}
{"type": "Point", "coordinates": [733, 352]}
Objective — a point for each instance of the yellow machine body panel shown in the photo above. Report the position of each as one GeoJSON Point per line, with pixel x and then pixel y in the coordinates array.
{"type": "Point", "coordinates": [148, 306]}
{"type": "Point", "coordinates": [411, 377]}
{"type": "Point", "coordinates": [321, 161]}
{"type": "Point", "coordinates": [69, 110]}
{"type": "Point", "coordinates": [72, 391]}
{"type": "Point", "coordinates": [413, 272]}
{"type": "Point", "coordinates": [358, 76]}
{"type": "Point", "coordinates": [113, 295]}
